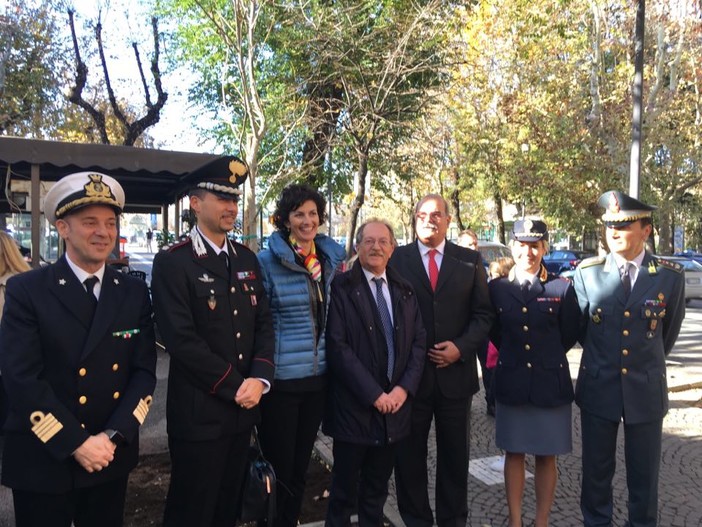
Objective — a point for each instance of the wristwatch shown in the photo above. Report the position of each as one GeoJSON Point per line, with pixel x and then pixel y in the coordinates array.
{"type": "Point", "coordinates": [115, 436]}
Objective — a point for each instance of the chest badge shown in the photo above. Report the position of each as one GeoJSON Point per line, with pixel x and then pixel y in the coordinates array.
{"type": "Point", "coordinates": [212, 300]}
{"type": "Point", "coordinates": [205, 278]}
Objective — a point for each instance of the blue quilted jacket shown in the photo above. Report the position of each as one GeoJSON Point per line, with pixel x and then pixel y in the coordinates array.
{"type": "Point", "coordinates": [298, 352]}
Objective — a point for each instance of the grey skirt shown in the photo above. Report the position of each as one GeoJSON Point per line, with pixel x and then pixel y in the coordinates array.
{"type": "Point", "coordinates": [531, 430]}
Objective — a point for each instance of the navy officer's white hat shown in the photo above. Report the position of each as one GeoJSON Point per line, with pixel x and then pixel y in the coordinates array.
{"type": "Point", "coordinates": [75, 191]}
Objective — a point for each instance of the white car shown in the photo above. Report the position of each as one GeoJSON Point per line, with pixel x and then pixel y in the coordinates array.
{"type": "Point", "coordinates": [693, 276]}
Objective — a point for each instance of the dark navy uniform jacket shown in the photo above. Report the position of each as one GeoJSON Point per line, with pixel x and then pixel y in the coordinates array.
{"type": "Point", "coordinates": [533, 336]}
{"type": "Point", "coordinates": [70, 375]}
{"type": "Point", "coordinates": [622, 372]}
{"type": "Point", "coordinates": [217, 327]}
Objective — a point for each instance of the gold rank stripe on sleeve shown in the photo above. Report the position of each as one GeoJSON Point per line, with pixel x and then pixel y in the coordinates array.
{"type": "Point", "coordinates": [45, 426]}
{"type": "Point", "coordinates": [142, 409]}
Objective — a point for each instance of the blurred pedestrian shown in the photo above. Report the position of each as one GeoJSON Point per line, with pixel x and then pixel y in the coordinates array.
{"type": "Point", "coordinates": [149, 239]}
{"type": "Point", "coordinates": [537, 323]}
{"type": "Point", "coordinates": [11, 263]}
{"type": "Point", "coordinates": [297, 270]}
{"type": "Point", "coordinates": [78, 361]}
{"type": "Point", "coordinates": [633, 305]}
{"type": "Point", "coordinates": [376, 347]}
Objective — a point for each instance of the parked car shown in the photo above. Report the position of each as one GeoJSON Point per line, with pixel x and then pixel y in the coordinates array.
{"type": "Point", "coordinates": [557, 262]}
{"type": "Point", "coordinates": [491, 251]}
{"type": "Point", "coordinates": [692, 255]}
{"type": "Point", "coordinates": [693, 276]}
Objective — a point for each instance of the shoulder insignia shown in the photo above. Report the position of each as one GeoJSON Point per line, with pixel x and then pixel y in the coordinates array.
{"type": "Point", "coordinates": [594, 260]}
{"type": "Point", "coordinates": [672, 266]}
{"type": "Point", "coordinates": [172, 246]}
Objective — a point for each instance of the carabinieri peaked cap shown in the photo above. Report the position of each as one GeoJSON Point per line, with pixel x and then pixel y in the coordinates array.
{"type": "Point", "coordinates": [75, 191]}
{"type": "Point", "coordinates": [223, 177]}
{"type": "Point", "coordinates": [621, 209]}
{"type": "Point", "coordinates": [529, 230]}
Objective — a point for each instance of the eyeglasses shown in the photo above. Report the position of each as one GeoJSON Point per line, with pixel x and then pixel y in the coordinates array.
{"type": "Point", "coordinates": [370, 242]}
{"type": "Point", "coordinates": [433, 216]}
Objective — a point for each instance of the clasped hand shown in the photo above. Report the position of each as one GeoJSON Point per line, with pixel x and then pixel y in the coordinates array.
{"type": "Point", "coordinates": [390, 403]}
{"type": "Point", "coordinates": [95, 453]}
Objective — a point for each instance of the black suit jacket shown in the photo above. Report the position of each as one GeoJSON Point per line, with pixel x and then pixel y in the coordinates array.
{"type": "Point", "coordinates": [459, 310]}
{"type": "Point", "coordinates": [218, 330]}
{"type": "Point", "coordinates": [357, 356]}
{"type": "Point", "coordinates": [68, 377]}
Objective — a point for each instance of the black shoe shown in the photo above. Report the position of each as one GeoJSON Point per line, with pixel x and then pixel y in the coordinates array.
{"type": "Point", "coordinates": [491, 410]}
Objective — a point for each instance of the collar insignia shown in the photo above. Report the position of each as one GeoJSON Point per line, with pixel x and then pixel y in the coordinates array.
{"type": "Point", "coordinates": [62, 281]}
{"type": "Point", "coordinates": [116, 281]}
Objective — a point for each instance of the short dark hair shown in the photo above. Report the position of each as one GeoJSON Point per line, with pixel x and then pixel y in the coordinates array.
{"type": "Point", "coordinates": [292, 198]}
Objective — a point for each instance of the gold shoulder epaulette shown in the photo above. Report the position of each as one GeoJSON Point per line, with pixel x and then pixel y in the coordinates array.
{"type": "Point", "coordinates": [593, 260]}
{"type": "Point", "coordinates": [667, 264]}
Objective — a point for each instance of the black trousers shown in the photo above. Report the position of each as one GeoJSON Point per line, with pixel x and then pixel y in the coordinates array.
{"type": "Point", "coordinates": [206, 481]}
{"type": "Point", "coordinates": [452, 424]}
{"type": "Point", "coordinates": [101, 505]}
{"type": "Point", "coordinates": [642, 453]}
{"type": "Point", "coordinates": [288, 430]}
{"type": "Point", "coordinates": [359, 482]}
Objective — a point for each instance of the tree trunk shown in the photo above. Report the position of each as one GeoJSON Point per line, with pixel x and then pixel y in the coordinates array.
{"type": "Point", "coordinates": [358, 201]}
{"type": "Point", "coordinates": [455, 201]}
{"type": "Point", "coordinates": [499, 214]}
{"type": "Point", "coordinates": [665, 238]}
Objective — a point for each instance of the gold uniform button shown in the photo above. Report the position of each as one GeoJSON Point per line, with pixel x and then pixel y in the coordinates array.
{"type": "Point", "coordinates": [115, 395]}
{"type": "Point", "coordinates": [232, 290]}
{"type": "Point", "coordinates": [82, 399]}
{"type": "Point", "coordinates": [524, 310]}
{"type": "Point", "coordinates": [624, 371]}
{"type": "Point", "coordinates": [625, 332]}
{"type": "Point", "coordinates": [528, 364]}
{"type": "Point", "coordinates": [82, 372]}
{"type": "Point", "coordinates": [627, 314]}
{"type": "Point", "coordinates": [526, 328]}
{"type": "Point", "coordinates": [241, 356]}
{"type": "Point", "coordinates": [236, 312]}
{"type": "Point", "coordinates": [527, 347]}
{"type": "Point", "coordinates": [115, 367]}
{"type": "Point", "coordinates": [599, 310]}
{"type": "Point", "coordinates": [625, 352]}
{"type": "Point", "coordinates": [82, 426]}
{"type": "Point", "coordinates": [238, 335]}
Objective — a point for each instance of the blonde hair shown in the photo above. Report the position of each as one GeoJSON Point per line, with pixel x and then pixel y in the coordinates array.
{"type": "Point", "coordinates": [500, 267]}
{"type": "Point", "coordinates": [11, 260]}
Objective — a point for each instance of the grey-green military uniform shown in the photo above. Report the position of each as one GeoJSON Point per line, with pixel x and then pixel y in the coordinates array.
{"type": "Point", "coordinates": [623, 375]}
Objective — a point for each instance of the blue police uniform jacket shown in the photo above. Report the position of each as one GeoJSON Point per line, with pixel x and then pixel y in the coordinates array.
{"type": "Point", "coordinates": [625, 341]}
{"type": "Point", "coordinates": [533, 335]}
{"type": "Point", "coordinates": [299, 350]}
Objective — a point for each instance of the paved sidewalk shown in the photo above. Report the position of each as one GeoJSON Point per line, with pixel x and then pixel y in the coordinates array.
{"type": "Point", "coordinates": [681, 467]}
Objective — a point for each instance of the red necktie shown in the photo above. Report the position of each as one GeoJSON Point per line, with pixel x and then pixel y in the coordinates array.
{"type": "Point", "coordinates": [433, 269]}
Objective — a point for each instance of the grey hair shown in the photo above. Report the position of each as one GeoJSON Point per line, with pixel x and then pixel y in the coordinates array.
{"type": "Point", "coordinates": [359, 231]}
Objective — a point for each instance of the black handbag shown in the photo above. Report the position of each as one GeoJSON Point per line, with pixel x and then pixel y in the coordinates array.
{"type": "Point", "coordinates": [258, 499]}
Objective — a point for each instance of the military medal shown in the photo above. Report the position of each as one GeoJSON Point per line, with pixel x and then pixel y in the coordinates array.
{"type": "Point", "coordinates": [596, 318]}
{"type": "Point", "coordinates": [212, 301]}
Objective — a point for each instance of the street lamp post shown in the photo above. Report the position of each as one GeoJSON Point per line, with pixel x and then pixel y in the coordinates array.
{"type": "Point", "coordinates": [637, 91]}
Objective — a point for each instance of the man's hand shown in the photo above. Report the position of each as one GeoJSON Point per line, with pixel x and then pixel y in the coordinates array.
{"type": "Point", "coordinates": [444, 354]}
{"type": "Point", "coordinates": [398, 395]}
{"type": "Point", "coordinates": [95, 453]}
{"type": "Point", "coordinates": [384, 403]}
{"type": "Point", "coordinates": [249, 393]}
